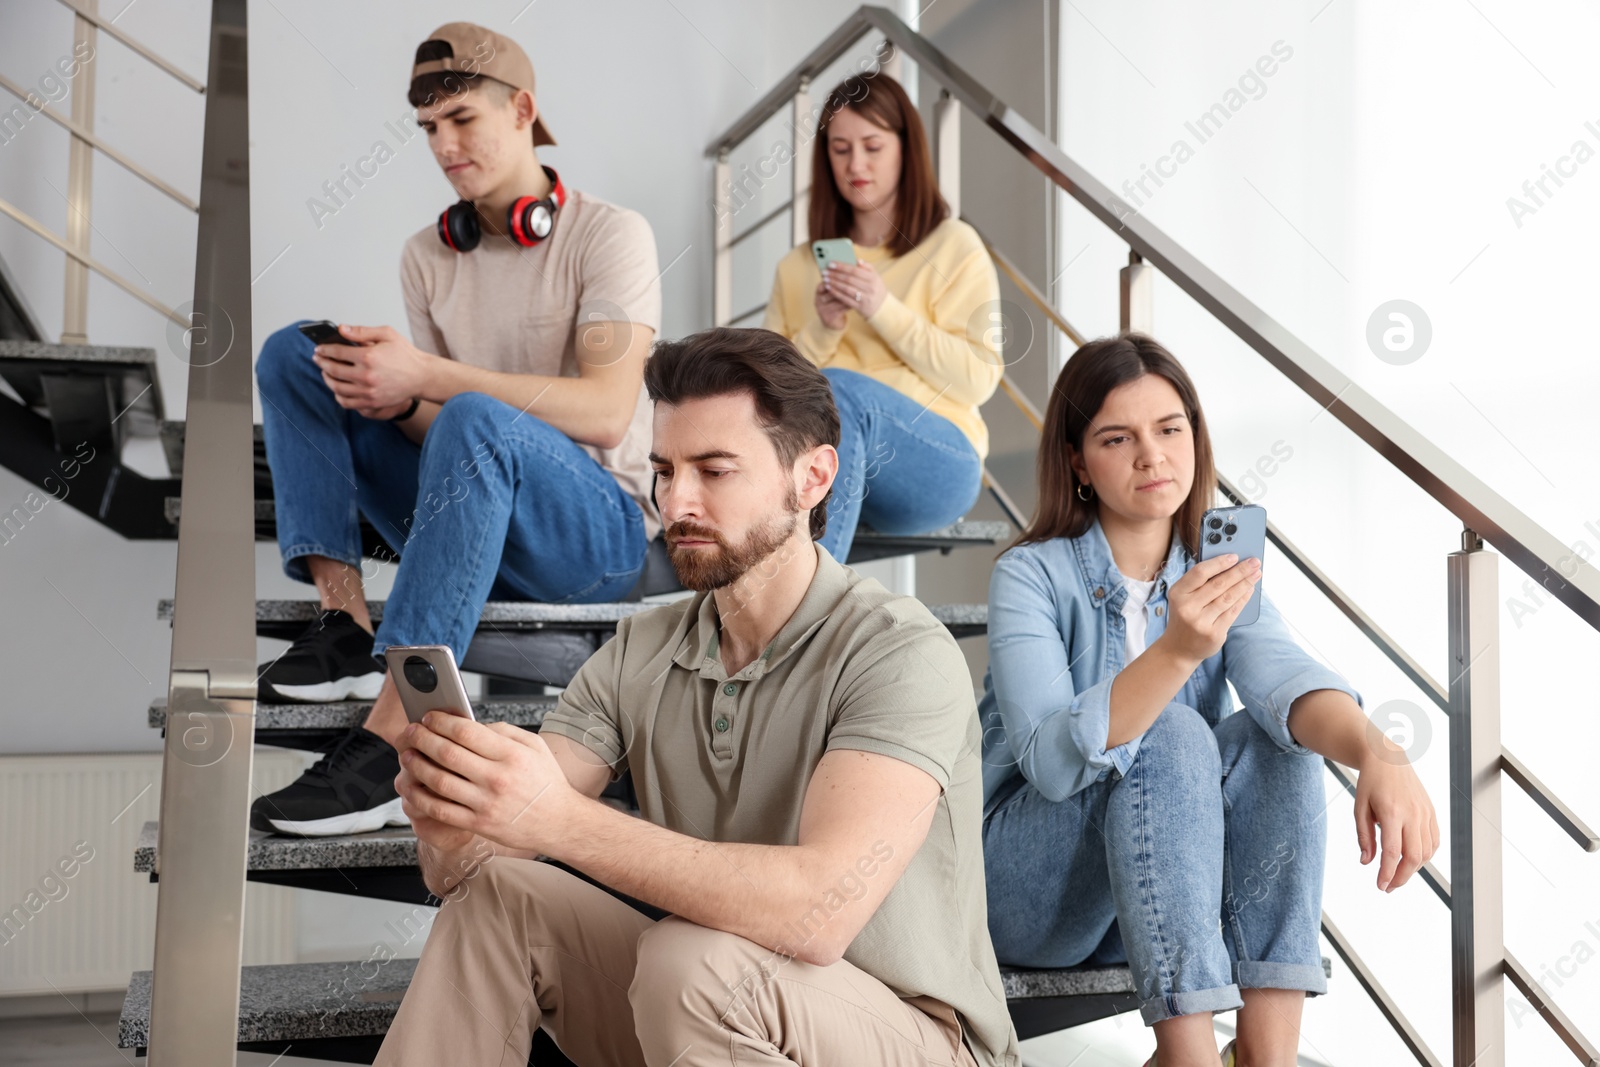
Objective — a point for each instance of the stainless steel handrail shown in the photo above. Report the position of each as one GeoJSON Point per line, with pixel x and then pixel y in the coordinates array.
{"type": "Point", "coordinates": [1514, 768]}
{"type": "Point", "coordinates": [135, 291]}
{"type": "Point", "coordinates": [99, 144]}
{"type": "Point", "coordinates": [205, 783]}
{"type": "Point", "coordinates": [110, 29]}
{"type": "Point", "coordinates": [84, 142]}
{"type": "Point", "coordinates": [1496, 520]}
{"type": "Point", "coordinates": [1478, 760]}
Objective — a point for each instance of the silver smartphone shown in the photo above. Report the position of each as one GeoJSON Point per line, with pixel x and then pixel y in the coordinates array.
{"type": "Point", "coordinates": [427, 679]}
{"type": "Point", "coordinates": [1241, 530]}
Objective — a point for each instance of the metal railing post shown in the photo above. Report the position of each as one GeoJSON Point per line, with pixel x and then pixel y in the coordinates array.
{"type": "Point", "coordinates": [802, 124]}
{"type": "Point", "coordinates": [80, 184]}
{"type": "Point", "coordinates": [1136, 292]}
{"type": "Point", "coordinates": [722, 242]}
{"type": "Point", "coordinates": [1477, 944]}
{"type": "Point", "coordinates": [210, 733]}
{"type": "Point", "coordinates": [947, 149]}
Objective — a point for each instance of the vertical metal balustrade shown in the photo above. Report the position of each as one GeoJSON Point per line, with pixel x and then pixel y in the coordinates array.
{"type": "Point", "coordinates": [1480, 961]}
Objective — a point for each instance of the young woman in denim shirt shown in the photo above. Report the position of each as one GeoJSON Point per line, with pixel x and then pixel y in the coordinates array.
{"type": "Point", "coordinates": [1129, 812]}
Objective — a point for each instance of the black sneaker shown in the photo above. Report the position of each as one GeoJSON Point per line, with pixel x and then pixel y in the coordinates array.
{"type": "Point", "coordinates": [348, 791]}
{"type": "Point", "coordinates": [331, 660]}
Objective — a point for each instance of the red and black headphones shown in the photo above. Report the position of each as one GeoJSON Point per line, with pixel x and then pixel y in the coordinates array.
{"type": "Point", "coordinates": [529, 219]}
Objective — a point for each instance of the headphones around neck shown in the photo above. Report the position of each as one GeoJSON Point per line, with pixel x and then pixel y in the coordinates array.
{"type": "Point", "coordinates": [529, 219]}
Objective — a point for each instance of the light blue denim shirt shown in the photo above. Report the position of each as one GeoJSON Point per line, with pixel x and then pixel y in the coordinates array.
{"type": "Point", "coordinates": [1056, 640]}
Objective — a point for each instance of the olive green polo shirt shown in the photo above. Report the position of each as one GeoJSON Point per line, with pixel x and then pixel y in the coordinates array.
{"type": "Point", "coordinates": [728, 757]}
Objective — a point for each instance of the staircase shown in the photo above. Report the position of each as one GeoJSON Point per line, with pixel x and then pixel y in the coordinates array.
{"type": "Point", "coordinates": [76, 405]}
{"type": "Point", "coordinates": [291, 1004]}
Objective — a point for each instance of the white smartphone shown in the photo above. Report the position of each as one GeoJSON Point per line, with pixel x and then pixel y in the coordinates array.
{"type": "Point", "coordinates": [427, 679]}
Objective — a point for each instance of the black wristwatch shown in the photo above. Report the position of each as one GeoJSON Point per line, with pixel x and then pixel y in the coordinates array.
{"type": "Point", "coordinates": [416, 402]}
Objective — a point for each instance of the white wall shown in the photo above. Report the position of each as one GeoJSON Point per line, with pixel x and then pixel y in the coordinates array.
{"type": "Point", "coordinates": [632, 90]}
{"type": "Point", "coordinates": [1376, 165]}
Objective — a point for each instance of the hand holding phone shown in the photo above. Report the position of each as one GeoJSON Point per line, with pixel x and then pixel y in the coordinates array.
{"type": "Point", "coordinates": [833, 250]}
{"type": "Point", "coordinates": [1216, 594]}
{"type": "Point", "coordinates": [322, 332]}
{"type": "Point", "coordinates": [427, 680]}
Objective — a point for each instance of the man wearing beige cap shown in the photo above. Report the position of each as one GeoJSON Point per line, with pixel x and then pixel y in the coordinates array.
{"type": "Point", "coordinates": [501, 450]}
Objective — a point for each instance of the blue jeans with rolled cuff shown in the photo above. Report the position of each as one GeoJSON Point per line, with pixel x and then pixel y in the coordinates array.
{"type": "Point", "coordinates": [902, 469]}
{"type": "Point", "coordinates": [494, 504]}
{"type": "Point", "coordinates": [1201, 868]}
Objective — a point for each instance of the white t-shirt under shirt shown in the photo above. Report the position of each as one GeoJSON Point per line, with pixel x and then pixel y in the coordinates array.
{"type": "Point", "coordinates": [1134, 613]}
{"type": "Point", "coordinates": [508, 308]}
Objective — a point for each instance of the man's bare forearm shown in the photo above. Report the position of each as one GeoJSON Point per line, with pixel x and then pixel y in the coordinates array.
{"type": "Point", "coordinates": [589, 410]}
{"type": "Point", "coordinates": [760, 892]}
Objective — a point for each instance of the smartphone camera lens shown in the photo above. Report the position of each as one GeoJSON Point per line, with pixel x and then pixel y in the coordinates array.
{"type": "Point", "coordinates": [1215, 523]}
{"type": "Point", "coordinates": [1213, 538]}
{"type": "Point", "coordinates": [421, 675]}
{"type": "Point", "coordinates": [1230, 529]}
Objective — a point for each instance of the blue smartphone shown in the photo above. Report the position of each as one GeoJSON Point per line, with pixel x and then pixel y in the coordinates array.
{"type": "Point", "coordinates": [833, 250]}
{"type": "Point", "coordinates": [1241, 530]}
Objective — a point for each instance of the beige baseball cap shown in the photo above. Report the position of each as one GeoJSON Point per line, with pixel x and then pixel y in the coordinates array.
{"type": "Point", "coordinates": [472, 49]}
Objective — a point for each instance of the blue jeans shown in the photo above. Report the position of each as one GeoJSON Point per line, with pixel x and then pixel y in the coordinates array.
{"type": "Point", "coordinates": [493, 504]}
{"type": "Point", "coordinates": [902, 469]}
{"type": "Point", "coordinates": [1201, 868]}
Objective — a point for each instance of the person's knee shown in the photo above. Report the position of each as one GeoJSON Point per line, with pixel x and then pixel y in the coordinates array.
{"type": "Point", "coordinates": [1180, 746]}
{"type": "Point", "coordinates": [286, 351]}
{"type": "Point", "coordinates": [474, 416]}
{"type": "Point", "coordinates": [683, 965]}
{"type": "Point", "coordinates": [1241, 740]}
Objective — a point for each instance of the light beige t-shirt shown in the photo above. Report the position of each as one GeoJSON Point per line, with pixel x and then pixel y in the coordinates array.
{"type": "Point", "coordinates": [508, 308]}
{"type": "Point", "coordinates": [728, 758]}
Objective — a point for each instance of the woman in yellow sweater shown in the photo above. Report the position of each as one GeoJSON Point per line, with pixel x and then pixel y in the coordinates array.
{"type": "Point", "coordinates": [906, 335]}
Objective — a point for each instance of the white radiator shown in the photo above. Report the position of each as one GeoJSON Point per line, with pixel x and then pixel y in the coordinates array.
{"type": "Point", "coordinates": [74, 917]}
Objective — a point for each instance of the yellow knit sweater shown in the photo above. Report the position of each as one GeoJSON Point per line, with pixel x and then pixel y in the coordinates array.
{"type": "Point", "coordinates": [936, 336]}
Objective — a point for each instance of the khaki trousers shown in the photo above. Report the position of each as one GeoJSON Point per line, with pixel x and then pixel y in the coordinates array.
{"type": "Point", "coordinates": [526, 945]}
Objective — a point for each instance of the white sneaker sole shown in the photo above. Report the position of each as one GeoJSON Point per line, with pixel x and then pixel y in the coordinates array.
{"type": "Point", "coordinates": [355, 687]}
{"type": "Point", "coordinates": [355, 822]}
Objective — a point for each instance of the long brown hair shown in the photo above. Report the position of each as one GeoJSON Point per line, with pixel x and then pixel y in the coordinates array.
{"type": "Point", "coordinates": [880, 100]}
{"type": "Point", "coordinates": [1092, 372]}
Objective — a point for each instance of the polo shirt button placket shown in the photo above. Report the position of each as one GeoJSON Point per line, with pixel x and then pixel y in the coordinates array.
{"type": "Point", "coordinates": [721, 744]}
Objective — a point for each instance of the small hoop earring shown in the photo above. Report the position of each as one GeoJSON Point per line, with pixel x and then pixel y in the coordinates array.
{"type": "Point", "coordinates": [1081, 488]}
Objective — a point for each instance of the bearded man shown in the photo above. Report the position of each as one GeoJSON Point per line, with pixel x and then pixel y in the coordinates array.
{"type": "Point", "coordinates": [804, 745]}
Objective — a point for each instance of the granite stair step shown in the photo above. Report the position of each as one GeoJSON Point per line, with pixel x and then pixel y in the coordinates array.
{"type": "Point", "coordinates": [65, 413]}
{"type": "Point", "coordinates": [394, 847]}
{"type": "Point", "coordinates": [310, 725]}
{"type": "Point", "coordinates": [109, 387]}
{"type": "Point", "coordinates": [321, 1005]}
{"type": "Point", "coordinates": [869, 544]}
{"type": "Point", "coordinates": [286, 618]}
{"type": "Point", "coordinates": [541, 643]}
{"type": "Point", "coordinates": [381, 865]}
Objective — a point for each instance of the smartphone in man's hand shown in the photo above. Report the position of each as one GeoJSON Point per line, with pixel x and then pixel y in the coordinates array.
{"type": "Point", "coordinates": [427, 680]}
